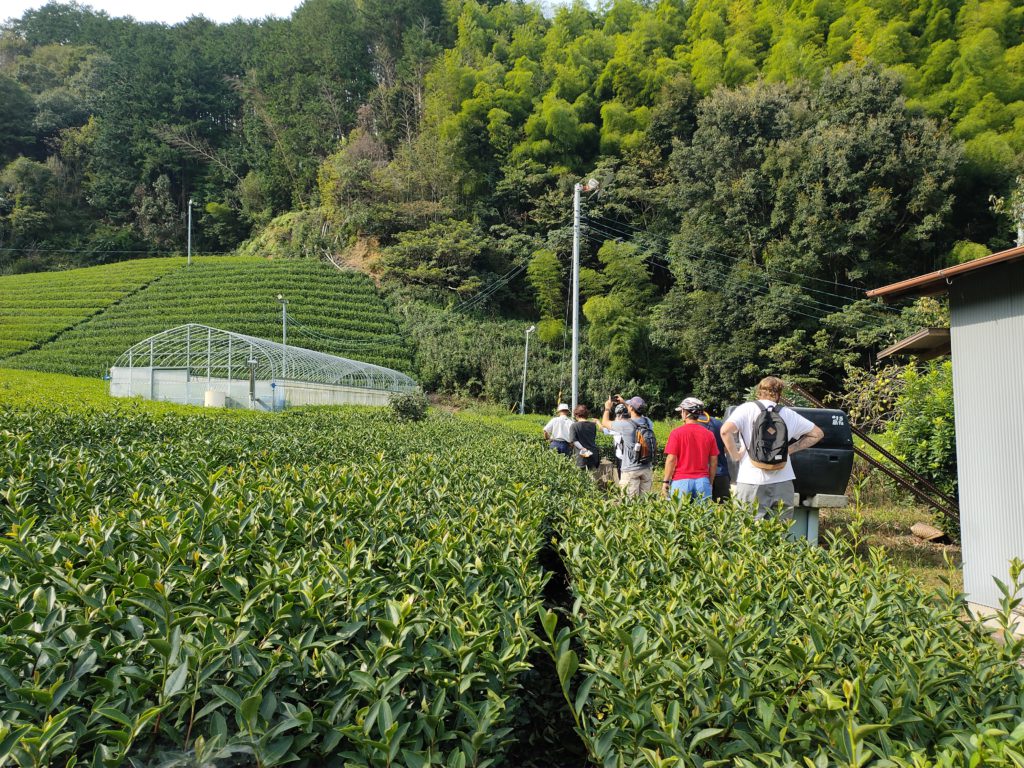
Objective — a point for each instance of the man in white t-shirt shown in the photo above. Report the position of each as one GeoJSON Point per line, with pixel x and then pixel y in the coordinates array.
{"type": "Point", "coordinates": [770, 488]}
{"type": "Point", "coordinates": [556, 431]}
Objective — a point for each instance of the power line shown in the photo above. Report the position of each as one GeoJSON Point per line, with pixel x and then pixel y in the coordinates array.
{"type": "Point", "coordinates": [97, 252]}
{"type": "Point", "coordinates": [619, 234]}
{"type": "Point", "coordinates": [618, 224]}
{"type": "Point", "coordinates": [493, 288]}
{"type": "Point", "coordinates": [764, 289]}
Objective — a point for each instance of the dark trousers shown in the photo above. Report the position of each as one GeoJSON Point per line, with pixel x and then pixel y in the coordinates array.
{"type": "Point", "coordinates": [720, 490]}
{"type": "Point", "coordinates": [562, 447]}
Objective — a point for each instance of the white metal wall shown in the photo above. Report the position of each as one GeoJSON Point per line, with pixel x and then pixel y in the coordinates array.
{"type": "Point", "coordinates": [172, 385]}
{"type": "Point", "coordinates": [987, 334]}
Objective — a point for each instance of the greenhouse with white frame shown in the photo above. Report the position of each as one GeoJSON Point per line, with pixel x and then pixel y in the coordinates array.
{"type": "Point", "coordinates": [200, 365]}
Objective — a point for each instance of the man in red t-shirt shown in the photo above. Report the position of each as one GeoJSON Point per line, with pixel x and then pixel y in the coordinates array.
{"type": "Point", "coordinates": [691, 454]}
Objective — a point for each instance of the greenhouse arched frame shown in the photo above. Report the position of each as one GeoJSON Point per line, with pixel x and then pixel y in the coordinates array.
{"type": "Point", "coordinates": [193, 363]}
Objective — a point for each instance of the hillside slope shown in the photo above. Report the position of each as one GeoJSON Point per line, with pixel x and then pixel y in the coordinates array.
{"type": "Point", "coordinates": [36, 307]}
{"type": "Point", "coordinates": [331, 311]}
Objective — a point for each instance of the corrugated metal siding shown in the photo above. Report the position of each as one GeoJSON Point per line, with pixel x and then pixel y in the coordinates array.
{"type": "Point", "coordinates": [987, 333]}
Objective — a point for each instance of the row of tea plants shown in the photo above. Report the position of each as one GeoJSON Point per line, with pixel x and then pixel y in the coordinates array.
{"type": "Point", "coordinates": [336, 312]}
{"type": "Point", "coordinates": [334, 587]}
{"type": "Point", "coordinates": [701, 637]}
{"type": "Point", "coordinates": [322, 587]}
{"type": "Point", "coordinates": [39, 305]}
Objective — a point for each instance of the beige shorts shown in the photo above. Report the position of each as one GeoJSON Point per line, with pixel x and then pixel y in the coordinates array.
{"type": "Point", "coordinates": [637, 481]}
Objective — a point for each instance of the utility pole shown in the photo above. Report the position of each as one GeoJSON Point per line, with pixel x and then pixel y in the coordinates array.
{"type": "Point", "coordinates": [526, 357]}
{"type": "Point", "coordinates": [284, 341]}
{"type": "Point", "coordinates": [589, 186]}
{"type": "Point", "coordinates": [189, 258]}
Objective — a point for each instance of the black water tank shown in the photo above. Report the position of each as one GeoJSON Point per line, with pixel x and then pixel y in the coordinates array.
{"type": "Point", "coordinates": [826, 467]}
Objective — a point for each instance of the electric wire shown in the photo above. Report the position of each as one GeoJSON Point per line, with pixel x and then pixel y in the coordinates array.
{"type": "Point", "coordinates": [347, 343]}
{"type": "Point", "coordinates": [619, 235]}
{"type": "Point", "coordinates": [764, 289]}
{"type": "Point", "coordinates": [614, 223]}
{"type": "Point", "coordinates": [493, 288]}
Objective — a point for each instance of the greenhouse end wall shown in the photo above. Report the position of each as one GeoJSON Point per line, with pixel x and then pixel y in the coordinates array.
{"type": "Point", "coordinates": [174, 385]}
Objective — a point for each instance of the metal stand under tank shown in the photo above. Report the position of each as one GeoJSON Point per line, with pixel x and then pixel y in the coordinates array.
{"type": "Point", "coordinates": [805, 514]}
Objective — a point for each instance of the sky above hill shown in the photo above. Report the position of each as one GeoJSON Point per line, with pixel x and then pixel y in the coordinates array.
{"type": "Point", "coordinates": [179, 10]}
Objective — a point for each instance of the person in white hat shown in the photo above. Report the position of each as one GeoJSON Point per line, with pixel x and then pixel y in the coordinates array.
{"type": "Point", "coordinates": [557, 431]}
{"type": "Point", "coordinates": [691, 454]}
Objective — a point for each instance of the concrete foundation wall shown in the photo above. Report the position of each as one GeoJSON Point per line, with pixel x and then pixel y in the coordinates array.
{"type": "Point", "coordinates": [174, 385]}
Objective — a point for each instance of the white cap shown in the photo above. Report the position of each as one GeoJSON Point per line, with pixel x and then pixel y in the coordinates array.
{"type": "Point", "coordinates": [562, 407]}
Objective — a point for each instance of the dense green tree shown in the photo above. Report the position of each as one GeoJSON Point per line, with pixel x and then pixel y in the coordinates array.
{"type": "Point", "coordinates": [16, 118]}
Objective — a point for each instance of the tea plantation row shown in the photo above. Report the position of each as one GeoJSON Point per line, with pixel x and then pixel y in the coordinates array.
{"type": "Point", "coordinates": [37, 306]}
{"type": "Point", "coordinates": [327, 587]}
{"type": "Point", "coordinates": [336, 312]}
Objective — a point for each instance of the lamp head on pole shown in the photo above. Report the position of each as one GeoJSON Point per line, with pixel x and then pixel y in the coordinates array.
{"type": "Point", "coordinates": [590, 185]}
{"type": "Point", "coordinates": [281, 298]}
{"type": "Point", "coordinates": [531, 329]}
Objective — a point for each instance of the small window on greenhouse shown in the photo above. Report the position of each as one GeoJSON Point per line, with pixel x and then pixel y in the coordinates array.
{"type": "Point", "coordinates": [200, 365]}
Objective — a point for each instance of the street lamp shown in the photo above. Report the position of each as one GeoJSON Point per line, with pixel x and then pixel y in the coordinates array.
{"type": "Point", "coordinates": [284, 339]}
{"type": "Point", "coordinates": [589, 186]}
{"type": "Point", "coordinates": [189, 257]}
{"type": "Point", "coordinates": [526, 357]}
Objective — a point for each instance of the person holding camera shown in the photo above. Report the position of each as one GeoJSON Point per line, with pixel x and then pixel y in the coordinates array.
{"type": "Point", "coordinates": [638, 444]}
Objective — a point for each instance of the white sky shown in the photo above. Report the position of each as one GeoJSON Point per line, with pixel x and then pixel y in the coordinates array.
{"type": "Point", "coordinates": [170, 11]}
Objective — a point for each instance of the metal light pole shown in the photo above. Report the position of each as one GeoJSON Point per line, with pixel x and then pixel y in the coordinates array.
{"type": "Point", "coordinates": [526, 357]}
{"type": "Point", "coordinates": [189, 258]}
{"type": "Point", "coordinates": [589, 186]}
{"type": "Point", "coordinates": [284, 340]}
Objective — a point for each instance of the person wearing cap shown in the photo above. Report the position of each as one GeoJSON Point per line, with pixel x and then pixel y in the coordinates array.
{"type": "Point", "coordinates": [636, 476]}
{"type": "Point", "coordinates": [557, 431]}
{"type": "Point", "coordinates": [621, 413]}
{"type": "Point", "coordinates": [691, 454]}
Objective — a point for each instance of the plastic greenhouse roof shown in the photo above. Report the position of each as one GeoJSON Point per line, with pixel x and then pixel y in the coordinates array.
{"type": "Point", "coordinates": [214, 352]}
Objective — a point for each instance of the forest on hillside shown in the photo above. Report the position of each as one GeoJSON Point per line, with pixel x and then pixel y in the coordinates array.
{"type": "Point", "coordinates": [760, 164]}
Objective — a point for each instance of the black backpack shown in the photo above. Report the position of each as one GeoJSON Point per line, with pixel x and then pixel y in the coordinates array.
{"type": "Point", "coordinates": [645, 444]}
{"type": "Point", "coordinates": [769, 445]}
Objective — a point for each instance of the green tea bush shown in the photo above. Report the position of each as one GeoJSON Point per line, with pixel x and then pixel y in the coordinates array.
{"type": "Point", "coordinates": [313, 587]}
{"type": "Point", "coordinates": [409, 406]}
{"type": "Point", "coordinates": [709, 639]}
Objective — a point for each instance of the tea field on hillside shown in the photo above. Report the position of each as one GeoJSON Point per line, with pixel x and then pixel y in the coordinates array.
{"type": "Point", "coordinates": [333, 587]}
{"type": "Point", "coordinates": [37, 306]}
{"type": "Point", "coordinates": [336, 312]}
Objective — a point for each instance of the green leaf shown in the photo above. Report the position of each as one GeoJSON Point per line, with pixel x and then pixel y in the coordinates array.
{"type": "Point", "coordinates": [176, 680]}
{"type": "Point", "coordinates": [250, 708]}
{"type": "Point", "coordinates": [566, 666]}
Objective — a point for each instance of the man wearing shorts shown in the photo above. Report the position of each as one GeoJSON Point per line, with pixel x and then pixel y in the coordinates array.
{"type": "Point", "coordinates": [691, 455]}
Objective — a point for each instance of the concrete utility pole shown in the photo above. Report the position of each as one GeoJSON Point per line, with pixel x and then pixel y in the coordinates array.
{"type": "Point", "coordinates": [589, 186]}
{"type": "Point", "coordinates": [189, 257]}
{"type": "Point", "coordinates": [284, 341]}
{"type": "Point", "coordinates": [526, 357]}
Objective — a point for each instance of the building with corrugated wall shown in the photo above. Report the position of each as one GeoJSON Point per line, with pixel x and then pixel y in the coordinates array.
{"type": "Point", "coordinates": [986, 302]}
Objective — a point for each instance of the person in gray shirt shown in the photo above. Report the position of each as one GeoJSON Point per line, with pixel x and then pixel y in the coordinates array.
{"type": "Point", "coordinates": [637, 474]}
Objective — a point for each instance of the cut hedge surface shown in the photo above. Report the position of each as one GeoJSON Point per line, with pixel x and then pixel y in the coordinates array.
{"type": "Point", "coordinates": [336, 587]}
{"type": "Point", "coordinates": [336, 312]}
{"type": "Point", "coordinates": [709, 639]}
{"type": "Point", "coordinates": [321, 588]}
{"type": "Point", "coordinates": [36, 307]}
